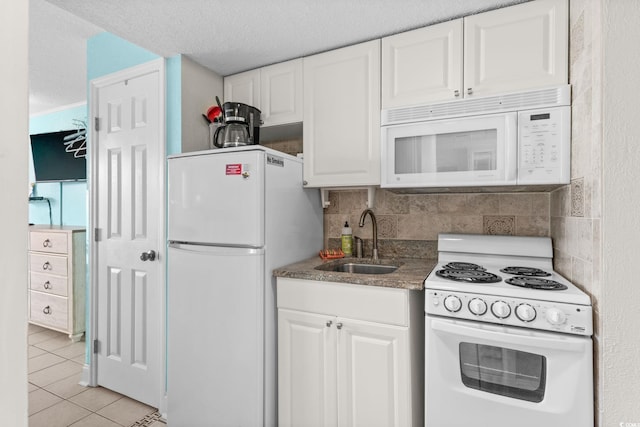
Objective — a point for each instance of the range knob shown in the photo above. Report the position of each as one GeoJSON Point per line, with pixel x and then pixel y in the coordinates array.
{"type": "Point", "coordinates": [556, 316]}
{"type": "Point", "coordinates": [477, 306]}
{"type": "Point", "coordinates": [452, 303]}
{"type": "Point", "coordinates": [500, 309]}
{"type": "Point", "coordinates": [525, 312]}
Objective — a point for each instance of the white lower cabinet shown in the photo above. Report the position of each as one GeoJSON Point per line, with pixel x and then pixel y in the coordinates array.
{"type": "Point", "coordinates": [346, 360]}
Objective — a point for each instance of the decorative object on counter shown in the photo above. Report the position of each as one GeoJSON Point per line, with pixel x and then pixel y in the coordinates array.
{"type": "Point", "coordinates": [347, 239]}
{"type": "Point", "coordinates": [331, 254]}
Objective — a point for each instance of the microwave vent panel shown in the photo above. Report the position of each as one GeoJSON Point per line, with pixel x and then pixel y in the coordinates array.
{"type": "Point", "coordinates": [549, 97]}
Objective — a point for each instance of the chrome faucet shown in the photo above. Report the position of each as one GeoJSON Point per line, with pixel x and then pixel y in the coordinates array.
{"type": "Point", "coordinates": [375, 230]}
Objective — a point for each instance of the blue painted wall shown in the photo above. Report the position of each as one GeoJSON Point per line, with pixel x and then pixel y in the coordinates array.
{"type": "Point", "coordinates": [68, 199]}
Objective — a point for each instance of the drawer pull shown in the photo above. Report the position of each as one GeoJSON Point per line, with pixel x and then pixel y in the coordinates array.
{"type": "Point", "coordinates": [47, 243]}
{"type": "Point", "coordinates": [47, 310]}
{"type": "Point", "coordinates": [47, 266]}
{"type": "Point", "coordinates": [47, 285]}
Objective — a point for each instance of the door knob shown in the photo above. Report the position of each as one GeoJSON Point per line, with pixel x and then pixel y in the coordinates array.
{"type": "Point", "coordinates": [148, 255]}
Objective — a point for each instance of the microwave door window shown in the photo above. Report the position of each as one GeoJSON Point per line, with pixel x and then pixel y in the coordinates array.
{"type": "Point", "coordinates": [467, 151]}
{"type": "Point", "coordinates": [415, 154]}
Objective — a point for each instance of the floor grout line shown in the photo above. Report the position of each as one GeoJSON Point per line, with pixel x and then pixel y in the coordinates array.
{"type": "Point", "coordinates": [147, 420]}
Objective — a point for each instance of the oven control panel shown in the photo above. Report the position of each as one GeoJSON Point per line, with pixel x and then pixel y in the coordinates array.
{"type": "Point", "coordinates": [527, 313]}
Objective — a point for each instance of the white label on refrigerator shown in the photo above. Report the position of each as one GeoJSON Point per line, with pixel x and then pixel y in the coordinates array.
{"type": "Point", "coordinates": [275, 160]}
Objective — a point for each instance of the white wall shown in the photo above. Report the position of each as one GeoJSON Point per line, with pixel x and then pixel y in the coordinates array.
{"type": "Point", "coordinates": [620, 305]}
{"type": "Point", "coordinates": [14, 190]}
{"type": "Point", "coordinates": [199, 89]}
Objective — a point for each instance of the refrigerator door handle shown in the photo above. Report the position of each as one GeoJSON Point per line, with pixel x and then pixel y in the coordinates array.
{"type": "Point", "coordinates": [215, 250]}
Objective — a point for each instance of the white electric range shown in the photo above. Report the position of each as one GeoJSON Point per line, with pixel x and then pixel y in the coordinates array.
{"type": "Point", "coordinates": [507, 338]}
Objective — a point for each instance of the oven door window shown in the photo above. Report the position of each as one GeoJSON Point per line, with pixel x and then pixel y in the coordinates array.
{"type": "Point", "coordinates": [503, 371]}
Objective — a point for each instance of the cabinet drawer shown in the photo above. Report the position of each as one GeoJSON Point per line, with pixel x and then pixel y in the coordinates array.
{"type": "Point", "coordinates": [48, 283]}
{"type": "Point", "coordinates": [360, 302]}
{"type": "Point", "coordinates": [48, 242]}
{"type": "Point", "coordinates": [50, 264]}
{"type": "Point", "coordinates": [48, 309]}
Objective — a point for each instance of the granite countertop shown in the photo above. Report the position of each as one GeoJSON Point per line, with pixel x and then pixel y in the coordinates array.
{"type": "Point", "coordinates": [410, 275]}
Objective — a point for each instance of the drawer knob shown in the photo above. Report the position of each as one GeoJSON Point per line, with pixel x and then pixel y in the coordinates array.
{"type": "Point", "coordinates": [47, 285]}
{"type": "Point", "coordinates": [47, 266]}
{"type": "Point", "coordinates": [47, 310]}
{"type": "Point", "coordinates": [47, 243]}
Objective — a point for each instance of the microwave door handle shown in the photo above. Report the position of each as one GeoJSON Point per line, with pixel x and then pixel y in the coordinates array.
{"type": "Point", "coordinates": [567, 343]}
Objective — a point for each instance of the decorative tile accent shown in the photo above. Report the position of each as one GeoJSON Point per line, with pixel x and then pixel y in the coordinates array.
{"type": "Point", "coordinates": [503, 224]}
{"type": "Point", "coordinates": [148, 420]}
{"type": "Point", "coordinates": [577, 197]}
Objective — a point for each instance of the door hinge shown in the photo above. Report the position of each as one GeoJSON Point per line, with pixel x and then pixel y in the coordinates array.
{"type": "Point", "coordinates": [96, 123]}
{"type": "Point", "coordinates": [97, 234]}
{"type": "Point", "coordinates": [95, 346]}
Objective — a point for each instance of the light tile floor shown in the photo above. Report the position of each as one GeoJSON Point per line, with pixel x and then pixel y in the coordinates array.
{"type": "Point", "coordinates": [57, 400]}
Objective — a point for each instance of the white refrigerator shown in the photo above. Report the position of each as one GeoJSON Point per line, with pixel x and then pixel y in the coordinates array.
{"type": "Point", "coordinates": [234, 215]}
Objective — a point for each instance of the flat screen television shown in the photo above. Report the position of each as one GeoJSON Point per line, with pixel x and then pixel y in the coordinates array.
{"type": "Point", "coordinates": [51, 161]}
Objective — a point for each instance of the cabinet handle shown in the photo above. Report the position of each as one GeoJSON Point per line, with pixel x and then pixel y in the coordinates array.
{"type": "Point", "coordinates": [47, 285]}
{"type": "Point", "coordinates": [47, 266]}
{"type": "Point", "coordinates": [304, 183]}
{"type": "Point", "coordinates": [469, 91]}
{"type": "Point", "coordinates": [456, 93]}
{"type": "Point", "coordinates": [339, 325]}
{"type": "Point", "coordinates": [47, 243]}
{"type": "Point", "coordinates": [47, 310]}
{"type": "Point", "coordinates": [329, 323]}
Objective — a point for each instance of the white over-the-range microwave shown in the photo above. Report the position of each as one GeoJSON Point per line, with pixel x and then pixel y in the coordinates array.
{"type": "Point", "coordinates": [519, 139]}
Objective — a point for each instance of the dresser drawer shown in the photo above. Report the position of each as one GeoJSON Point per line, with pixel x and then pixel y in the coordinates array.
{"type": "Point", "coordinates": [48, 242]}
{"type": "Point", "coordinates": [48, 309]}
{"type": "Point", "coordinates": [48, 283]}
{"type": "Point", "coordinates": [50, 264]}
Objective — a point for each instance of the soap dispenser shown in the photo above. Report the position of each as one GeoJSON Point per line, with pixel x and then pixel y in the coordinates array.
{"type": "Point", "coordinates": [347, 239]}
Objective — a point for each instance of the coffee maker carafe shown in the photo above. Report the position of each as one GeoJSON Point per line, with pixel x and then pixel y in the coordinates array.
{"type": "Point", "coordinates": [241, 126]}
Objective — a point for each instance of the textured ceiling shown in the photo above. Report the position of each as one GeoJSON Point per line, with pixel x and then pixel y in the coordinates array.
{"type": "Point", "coordinates": [226, 37]}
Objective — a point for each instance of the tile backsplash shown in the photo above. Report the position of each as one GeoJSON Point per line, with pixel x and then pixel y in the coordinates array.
{"type": "Point", "coordinates": [421, 217]}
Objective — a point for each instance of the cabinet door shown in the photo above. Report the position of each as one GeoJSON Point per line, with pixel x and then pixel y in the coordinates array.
{"type": "Point", "coordinates": [373, 374]}
{"type": "Point", "coordinates": [243, 87]}
{"type": "Point", "coordinates": [422, 66]}
{"type": "Point", "coordinates": [342, 117]}
{"type": "Point", "coordinates": [516, 48]}
{"type": "Point", "coordinates": [306, 369]}
{"type": "Point", "coordinates": [281, 93]}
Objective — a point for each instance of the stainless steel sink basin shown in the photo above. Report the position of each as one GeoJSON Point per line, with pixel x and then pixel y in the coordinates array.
{"type": "Point", "coordinates": [353, 267]}
{"type": "Point", "coordinates": [365, 266]}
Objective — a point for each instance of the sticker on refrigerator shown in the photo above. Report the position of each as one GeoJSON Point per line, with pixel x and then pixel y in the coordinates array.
{"type": "Point", "coordinates": [234, 169]}
{"type": "Point", "coordinates": [275, 160]}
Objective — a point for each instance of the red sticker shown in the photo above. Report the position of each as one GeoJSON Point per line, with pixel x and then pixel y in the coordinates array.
{"type": "Point", "coordinates": [234, 169]}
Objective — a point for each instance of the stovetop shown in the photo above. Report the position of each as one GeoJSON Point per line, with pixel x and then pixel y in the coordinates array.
{"type": "Point", "coordinates": [476, 279]}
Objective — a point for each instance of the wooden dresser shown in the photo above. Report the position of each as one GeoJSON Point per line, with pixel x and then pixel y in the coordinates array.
{"type": "Point", "coordinates": [57, 277]}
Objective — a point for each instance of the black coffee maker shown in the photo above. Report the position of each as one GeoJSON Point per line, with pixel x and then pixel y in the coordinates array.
{"type": "Point", "coordinates": [240, 126]}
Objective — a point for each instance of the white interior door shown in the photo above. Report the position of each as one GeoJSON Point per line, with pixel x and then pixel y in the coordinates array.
{"type": "Point", "coordinates": [129, 216]}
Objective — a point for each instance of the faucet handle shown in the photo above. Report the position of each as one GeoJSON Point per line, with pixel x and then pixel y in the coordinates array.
{"type": "Point", "coordinates": [359, 248]}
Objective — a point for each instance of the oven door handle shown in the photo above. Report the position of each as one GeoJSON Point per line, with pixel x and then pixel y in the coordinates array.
{"type": "Point", "coordinates": [561, 342]}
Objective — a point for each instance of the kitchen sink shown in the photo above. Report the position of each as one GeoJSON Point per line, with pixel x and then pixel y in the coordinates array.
{"type": "Point", "coordinates": [358, 267]}
{"type": "Point", "coordinates": [353, 267]}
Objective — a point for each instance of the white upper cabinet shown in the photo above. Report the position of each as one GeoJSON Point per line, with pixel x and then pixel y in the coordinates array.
{"type": "Point", "coordinates": [422, 65]}
{"type": "Point", "coordinates": [243, 87]}
{"type": "Point", "coordinates": [516, 48]}
{"type": "Point", "coordinates": [512, 49]}
{"type": "Point", "coordinates": [341, 135]}
{"type": "Point", "coordinates": [275, 90]}
{"type": "Point", "coordinates": [281, 93]}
